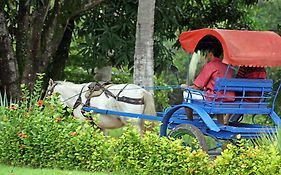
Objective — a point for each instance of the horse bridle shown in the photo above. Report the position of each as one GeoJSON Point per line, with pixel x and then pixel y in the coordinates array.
{"type": "Point", "coordinates": [51, 90]}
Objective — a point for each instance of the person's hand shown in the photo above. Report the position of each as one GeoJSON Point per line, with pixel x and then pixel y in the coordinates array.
{"type": "Point", "coordinates": [184, 86]}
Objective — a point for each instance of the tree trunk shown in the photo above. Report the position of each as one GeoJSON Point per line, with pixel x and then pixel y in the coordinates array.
{"type": "Point", "coordinates": [47, 26]}
{"type": "Point", "coordinates": [9, 75]}
{"type": "Point", "coordinates": [103, 74]}
{"type": "Point", "coordinates": [143, 58]}
{"type": "Point", "coordinates": [61, 56]}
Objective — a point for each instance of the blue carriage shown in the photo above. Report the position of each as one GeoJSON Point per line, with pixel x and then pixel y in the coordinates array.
{"type": "Point", "coordinates": [240, 48]}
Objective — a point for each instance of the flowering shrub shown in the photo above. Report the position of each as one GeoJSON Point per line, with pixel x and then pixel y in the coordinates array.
{"type": "Point", "coordinates": [40, 133]}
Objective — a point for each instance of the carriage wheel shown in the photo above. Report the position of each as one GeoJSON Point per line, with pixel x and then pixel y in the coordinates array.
{"type": "Point", "coordinates": [191, 136]}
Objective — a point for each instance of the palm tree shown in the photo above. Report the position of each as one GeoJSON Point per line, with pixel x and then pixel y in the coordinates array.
{"type": "Point", "coordinates": [143, 58]}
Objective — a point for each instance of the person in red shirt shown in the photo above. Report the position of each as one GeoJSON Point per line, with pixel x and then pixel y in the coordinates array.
{"type": "Point", "coordinates": [206, 80]}
{"type": "Point", "coordinates": [251, 73]}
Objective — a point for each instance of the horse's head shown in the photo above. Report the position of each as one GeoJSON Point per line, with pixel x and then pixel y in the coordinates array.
{"type": "Point", "coordinates": [51, 87]}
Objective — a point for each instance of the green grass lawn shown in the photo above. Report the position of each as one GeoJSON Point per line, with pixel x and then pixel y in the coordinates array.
{"type": "Point", "coordinates": [10, 170]}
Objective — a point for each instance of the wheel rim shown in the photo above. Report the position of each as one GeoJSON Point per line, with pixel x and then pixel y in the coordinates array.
{"type": "Point", "coordinates": [188, 139]}
{"type": "Point", "coordinates": [190, 135]}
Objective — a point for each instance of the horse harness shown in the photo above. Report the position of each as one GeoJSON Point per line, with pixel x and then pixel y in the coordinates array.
{"type": "Point", "coordinates": [96, 89]}
{"type": "Point", "coordinates": [79, 99]}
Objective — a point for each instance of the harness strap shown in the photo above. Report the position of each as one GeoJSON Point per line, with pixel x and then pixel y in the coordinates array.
{"type": "Point", "coordinates": [79, 99]}
{"type": "Point", "coordinates": [107, 92]}
{"type": "Point", "coordinates": [121, 90]}
{"type": "Point", "coordinates": [136, 101]}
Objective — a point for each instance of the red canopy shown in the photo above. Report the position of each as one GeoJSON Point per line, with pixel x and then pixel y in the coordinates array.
{"type": "Point", "coordinates": [241, 47]}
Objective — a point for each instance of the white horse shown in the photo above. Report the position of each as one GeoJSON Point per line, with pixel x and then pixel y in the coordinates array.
{"type": "Point", "coordinates": [118, 97]}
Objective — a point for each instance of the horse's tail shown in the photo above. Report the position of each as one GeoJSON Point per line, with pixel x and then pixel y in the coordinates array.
{"type": "Point", "coordinates": [149, 105]}
{"type": "Point", "coordinates": [149, 109]}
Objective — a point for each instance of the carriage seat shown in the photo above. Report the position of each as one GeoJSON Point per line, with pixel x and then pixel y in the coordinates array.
{"type": "Point", "coordinates": [252, 96]}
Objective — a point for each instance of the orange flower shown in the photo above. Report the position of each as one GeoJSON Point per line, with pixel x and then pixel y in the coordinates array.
{"type": "Point", "coordinates": [40, 103]}
{"type": "Point", "coordinates": [12, 107]}
{"type": "Point", "coordinates": [73, 133]}
{"type": "Point", "coordinates": [58, 119]}
{"type": "Point", "coordinates": [22, 135]}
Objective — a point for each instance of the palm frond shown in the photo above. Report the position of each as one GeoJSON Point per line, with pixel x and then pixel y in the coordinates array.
{"type": "Point", "coordinates": [193, 66]}
{"type": "Point", "coordinates": [3, 99]}
{"type": "Point", "coordinates": [268, 139]}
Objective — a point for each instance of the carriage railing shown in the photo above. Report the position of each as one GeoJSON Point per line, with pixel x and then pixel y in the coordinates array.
{"type": "Point", "coordinates": [252, 96]}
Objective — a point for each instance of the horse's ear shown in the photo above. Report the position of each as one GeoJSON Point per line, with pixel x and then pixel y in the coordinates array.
{"type": "Point", "coordinates": [51, 82]}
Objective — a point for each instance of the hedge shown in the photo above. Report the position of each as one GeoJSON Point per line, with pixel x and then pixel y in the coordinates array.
{"type": "Point", "coordinates": [38, 133]}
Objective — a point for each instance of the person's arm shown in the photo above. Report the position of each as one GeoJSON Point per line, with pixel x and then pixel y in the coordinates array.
{"type": "Point", "coordinates": [204, 76]}
{"type": "Point", "coordinates": [195, 87]}
{"type": "Point", "coordinates": [184, 86]}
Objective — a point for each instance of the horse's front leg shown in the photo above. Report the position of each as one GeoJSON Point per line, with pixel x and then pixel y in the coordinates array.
{"type": "Point", "coordinates": [77, 112]}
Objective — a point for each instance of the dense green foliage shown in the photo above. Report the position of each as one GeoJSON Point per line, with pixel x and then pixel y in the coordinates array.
{"type": "Point", "coordinates": [106, 35]}
{"type": "Point", "coordinates": [266, 15]}
{"type": "Point", "coordinates": [41, 134]}
{"type": "Point", "coordinates": [257, 160]}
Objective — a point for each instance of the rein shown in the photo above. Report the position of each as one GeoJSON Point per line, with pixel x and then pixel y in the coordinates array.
{"type": "Point", "coordinates": [154, 87]}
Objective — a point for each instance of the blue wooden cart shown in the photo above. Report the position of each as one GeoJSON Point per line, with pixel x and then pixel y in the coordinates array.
{"type": "Point", "coordinates": [241, 48]}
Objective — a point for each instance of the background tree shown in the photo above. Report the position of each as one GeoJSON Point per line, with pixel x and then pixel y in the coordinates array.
{"type": "Point", "coordinates": [33, 35]}
{"type": "Point", "coordinates": [9, 75]}
{"type": "Point", "coordinates": [106, 35]}
{"type": "Point", "coordinates": [266, 15]}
